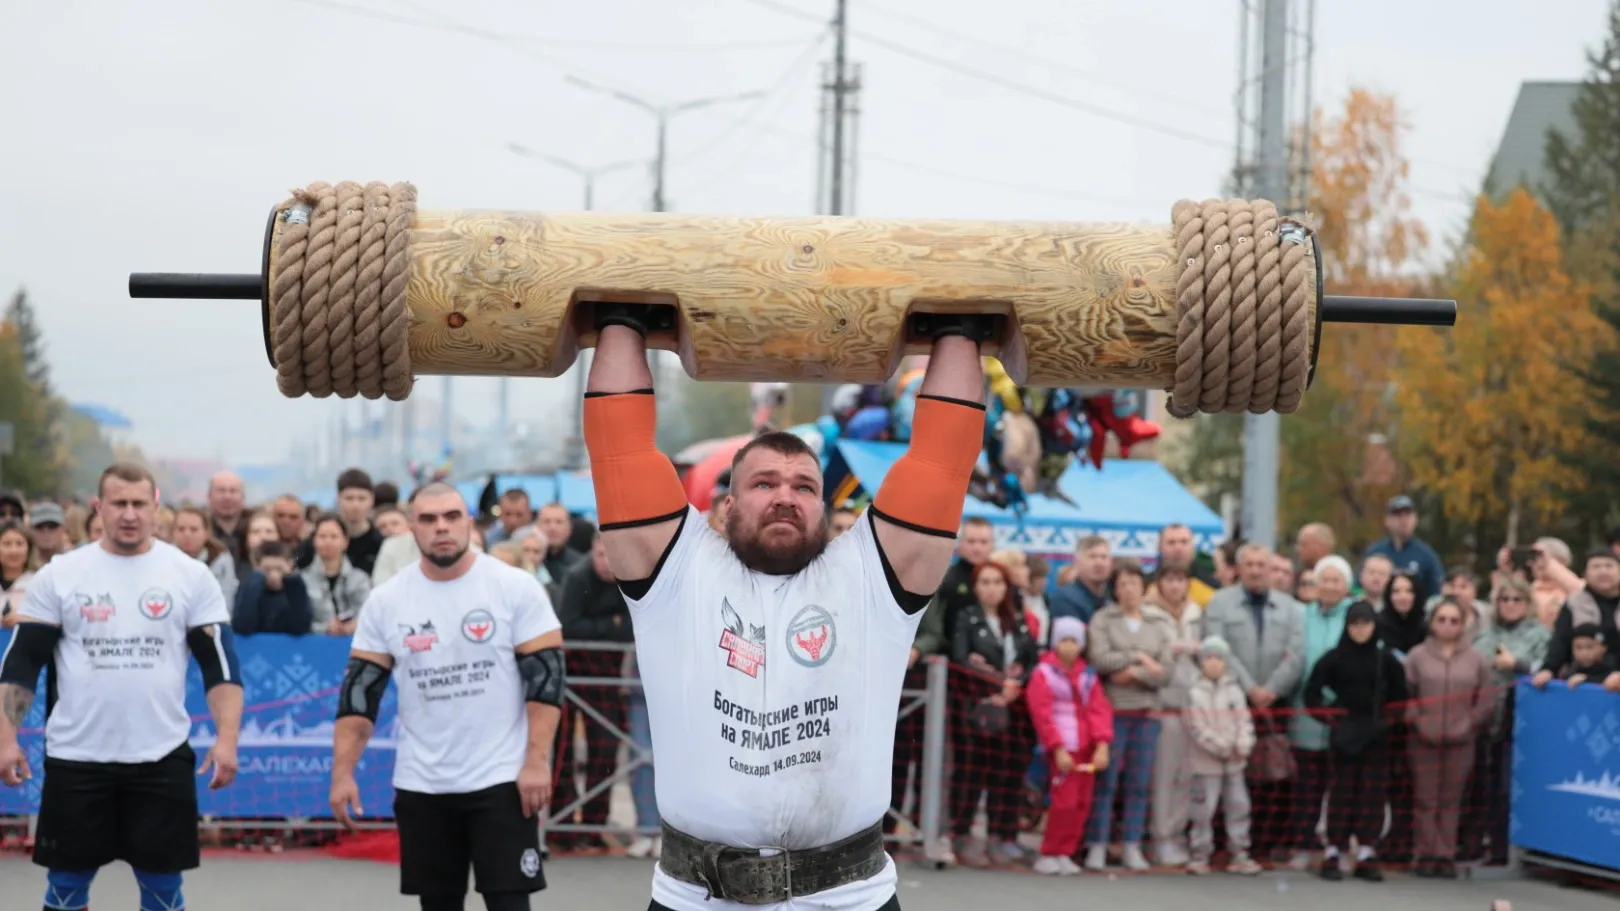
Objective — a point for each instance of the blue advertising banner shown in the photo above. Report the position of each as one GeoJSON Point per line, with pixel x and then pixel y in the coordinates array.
{"type": "Point", "coordinates": [285, 753]}
{"type": "Point", "coordinates": [1566, 773]}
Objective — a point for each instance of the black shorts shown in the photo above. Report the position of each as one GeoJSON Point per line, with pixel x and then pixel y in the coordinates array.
{"type": "Point", "coordinates": [440, 835]}
{"type": "Point", "coordinates": [143, 813]}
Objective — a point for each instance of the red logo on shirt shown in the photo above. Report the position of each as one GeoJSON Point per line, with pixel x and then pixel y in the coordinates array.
{"type": "Point", "coordinates": [155, 603]}
{"type": "Point", "coordinates": [420, 638]}
{"type": "Point", "coordinates": [745, 651]}
{"type": "Point", "coordinates": [95, 608]}
{"type": "Point", "coordinates": [478, 626]}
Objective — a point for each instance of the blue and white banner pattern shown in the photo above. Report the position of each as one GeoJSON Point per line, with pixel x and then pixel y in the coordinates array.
{"type": "Point", "coordinates": [285, 752]}
{"type": "Point", "coordinates": [1566, 773]}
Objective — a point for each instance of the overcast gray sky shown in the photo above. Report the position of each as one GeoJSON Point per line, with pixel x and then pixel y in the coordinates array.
{"type": "Point", "coordinates": [156, 136]}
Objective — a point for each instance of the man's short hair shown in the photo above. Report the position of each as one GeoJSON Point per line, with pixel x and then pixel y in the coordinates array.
{"type": "Point", "coordinates": [355, 479]}
{"type": "Point", "coordinates": [128, 472]}
{"type": "Point", "coordinates": [1321, 531]}
{"type": "Point", "coordinates": [1601, 553]}
{"type": "Point", "coordinates": [842, 511]}
{"type": "Point", "coordinates": [1090, 541]}
{"type": "Point", "coordinates": [432, 489]}
{"type": "Point", "coordinates": [1251, 547]}
{"type": "Point", "coordinates": [555, 504]}
{"type": "Point", "coordinates": [386, 493]}
{"type": "Point", "coordinates": [381, 511]}
{"type": "Point", "coordinates": [976, 522]}
{"type": "Point", "coordinates": [1175, 525]}
{"type": "Point", "coordinates": [272, 549]}
{"type": "Point", "coordinates": [1464, 572]}
{"type": "Point", "coordinates": [778, 441]}
{"type": "Point", "coordinates": [515, 495]}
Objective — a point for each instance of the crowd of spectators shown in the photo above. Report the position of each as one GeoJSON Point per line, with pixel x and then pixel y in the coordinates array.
{"type": "Point", "coordinates": [1244, 707]}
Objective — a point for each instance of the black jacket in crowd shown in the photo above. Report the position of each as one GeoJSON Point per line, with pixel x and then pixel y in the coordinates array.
{"type": "Point", "coordinates": [260, 610]}
{"type": "Point", "coordinates": [973, 636]}
{"type": "Point", "coordinates": [593, 610]}
{"type": "Point", "coordinates": [362, 552]}
{"type": "Point", "coordinates": [1367, 682]}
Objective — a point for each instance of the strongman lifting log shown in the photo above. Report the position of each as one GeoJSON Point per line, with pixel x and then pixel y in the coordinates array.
{"type": "Point", "coordinates": [360, 292]}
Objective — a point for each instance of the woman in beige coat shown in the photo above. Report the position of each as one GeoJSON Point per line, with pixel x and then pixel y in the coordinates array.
{"type": "Point", "coordinates": [1131, 648]}
{"type": "Point", "coordinates": [1172, 777]}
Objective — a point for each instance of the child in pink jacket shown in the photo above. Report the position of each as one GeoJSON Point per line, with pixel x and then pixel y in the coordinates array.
{"type": "Point", "coordinates": [1075, 724]}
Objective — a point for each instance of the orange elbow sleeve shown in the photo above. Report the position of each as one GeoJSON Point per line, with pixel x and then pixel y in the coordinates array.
{"type": "Point", "coordinates": [925, 489]}
{"type": "Point", "coordinates": [635, 483]}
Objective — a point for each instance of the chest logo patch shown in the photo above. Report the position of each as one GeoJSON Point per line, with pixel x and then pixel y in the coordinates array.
{"type": "Point", "coordinates": [155, 604]}
{"type": "Point", "coordinates": [419, 638]}
{"type": "Point", "coordinates": [744, 646]}
{"type": "Point", "coordinates": [478, 626]}
{"type": "Point", "coordinates": [811, 636]}
{"type": "Point", "coordinates": [95, 608]}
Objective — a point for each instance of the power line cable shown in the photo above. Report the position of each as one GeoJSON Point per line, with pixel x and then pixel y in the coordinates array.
{"type": "Point", "coordinates": [1011, 84]}
{"type": "Point", "coordinates": [552, 40]}
{"type": "Point", "coordinates": [1023, 55]}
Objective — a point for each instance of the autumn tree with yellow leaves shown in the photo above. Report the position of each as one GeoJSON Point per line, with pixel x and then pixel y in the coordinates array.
{"type": "Point", "coordinates": [1488, 405]}
{"type": "Point", "coordinates": [1336, 463]}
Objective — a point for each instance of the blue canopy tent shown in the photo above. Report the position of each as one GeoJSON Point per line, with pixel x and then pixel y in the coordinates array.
{"type": "Point", "coordinates": [1127, 502]}
{"type": "Point", "coordinates": [571, 490]}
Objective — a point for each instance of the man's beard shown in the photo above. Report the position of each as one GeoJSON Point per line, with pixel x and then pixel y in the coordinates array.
{"type": "Point", "coordinates": [775, 560]}
{"type": "Point", "coordinates": [445, 562]}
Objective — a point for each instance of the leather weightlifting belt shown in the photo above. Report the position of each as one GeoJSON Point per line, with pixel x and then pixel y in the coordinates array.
{"type": "Point", "coordinates": [746, 876]}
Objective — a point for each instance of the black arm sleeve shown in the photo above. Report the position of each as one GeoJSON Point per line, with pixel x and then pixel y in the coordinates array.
{"type": "Point", "coordinates": [544, 676]}
{"type": "Point", "coordinates": [214, 647]}
{"type": "Point", "coordinates": [30, 649]}
{"type": "Point", "coordinates": [364, 684]}
{"type": "Point", "coordinates": [1559, 650]}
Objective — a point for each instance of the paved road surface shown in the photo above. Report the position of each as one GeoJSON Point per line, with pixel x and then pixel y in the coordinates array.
{"type": "Point", "coordinates": [291, 881]}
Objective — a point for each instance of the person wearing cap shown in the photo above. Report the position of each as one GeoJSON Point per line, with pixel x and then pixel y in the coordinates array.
{"type": "Point", "coordinates": [1406, 551]}
{"type": "Point", "coordinates": [49, 525]}
{"type": "Point", "coordinates": [12, 506]}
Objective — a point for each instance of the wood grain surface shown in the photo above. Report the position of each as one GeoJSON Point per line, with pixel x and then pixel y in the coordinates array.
{"type": "Point", "coordinates": [791, 299]}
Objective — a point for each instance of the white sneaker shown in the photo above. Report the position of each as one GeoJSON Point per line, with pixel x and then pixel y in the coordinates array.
{"type": "Point", "coordinates": [1300, 861]}
{"type": "Point", "coordinates": [643, 846]}
{"type": "Point", "coordinates": [1131, 858]}
{"type": "Point", "coordinates": [1070, 868]}
{"type": "Point", "coordinates": [1097, 857]}
{"type": "Point", "coordinates": [1172, 855]}
{"type": "Point", "coordinates": [1050, 866]}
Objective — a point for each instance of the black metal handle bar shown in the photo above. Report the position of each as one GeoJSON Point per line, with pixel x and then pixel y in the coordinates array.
{"type": "Point", "coordinates": [1388, 311]}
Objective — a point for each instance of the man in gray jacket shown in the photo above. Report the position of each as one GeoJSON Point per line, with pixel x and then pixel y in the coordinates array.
{"type": "Point", "coordinates": [1266, 631]}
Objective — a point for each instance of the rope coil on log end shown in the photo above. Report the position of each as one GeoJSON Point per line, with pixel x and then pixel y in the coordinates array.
{"type": "Point", "coordinates": [338, 308]}
{"type": "Point", "coordinates": [1245, 299]}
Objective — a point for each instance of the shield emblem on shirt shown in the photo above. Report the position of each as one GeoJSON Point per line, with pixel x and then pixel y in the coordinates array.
{"type": "Point", "coordinates": [155, 604]}
{"type": "Point", "coordinates": [478, 626]}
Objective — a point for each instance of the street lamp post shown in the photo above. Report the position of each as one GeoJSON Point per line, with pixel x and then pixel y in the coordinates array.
{"type": "Point", "coordinates": [586, 175]}
{"type": "Point", "coordinates": [663, 112]}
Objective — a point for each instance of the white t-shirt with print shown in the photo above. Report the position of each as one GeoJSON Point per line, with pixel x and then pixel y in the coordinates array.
{"type": "Point", "coordinates": [121, 662]}
{"type": "Point", "coordinates": [463, 725]}
{"type": "Point", "coordinates": [772, 702]}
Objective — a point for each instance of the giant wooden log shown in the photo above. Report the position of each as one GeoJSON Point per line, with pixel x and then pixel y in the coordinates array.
{"type": "Point", "coordinates": [789, 299]}
{"type": "Point", "coordinates": [494, 293]}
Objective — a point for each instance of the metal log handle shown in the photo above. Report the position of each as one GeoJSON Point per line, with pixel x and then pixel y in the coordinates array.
{"type": "Point", "coordinates": [1387, 311]}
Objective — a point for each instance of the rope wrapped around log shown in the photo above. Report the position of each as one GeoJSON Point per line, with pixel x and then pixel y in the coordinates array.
{"type": "Point", "coordinates": [1244, 299]}
{"type": "Point", "coordinates": [1243, 308]}
{"type": "Point", "coordinates": [339, 317]}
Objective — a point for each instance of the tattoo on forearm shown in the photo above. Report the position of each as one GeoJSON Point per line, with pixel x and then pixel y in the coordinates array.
{"type": "Point", "coordinates": [15, 702]}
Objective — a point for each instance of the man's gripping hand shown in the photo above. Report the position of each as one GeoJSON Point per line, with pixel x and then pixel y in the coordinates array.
{"type": "Point", "coordinates": [14, 768]}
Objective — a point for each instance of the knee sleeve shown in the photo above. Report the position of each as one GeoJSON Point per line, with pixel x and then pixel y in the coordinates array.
{"type": "Point", "coordinates": [160, 891]}
{"type": "Point", "coordinates": [68, 890]}
{"type": "Point", "coordinates": [506, 901]}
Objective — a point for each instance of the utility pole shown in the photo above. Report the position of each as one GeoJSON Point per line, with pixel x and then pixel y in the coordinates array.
{"type": "Point", "coordinates": [663, 113]}
{"type": "Point", "coordinates": [447, 418]}
{"type": "Point", "coordinates": [835, 174]}
{"type": "Point", "coordinates": [1269, 176]}
{"type": "Point", "coordinates": [576, 445]}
